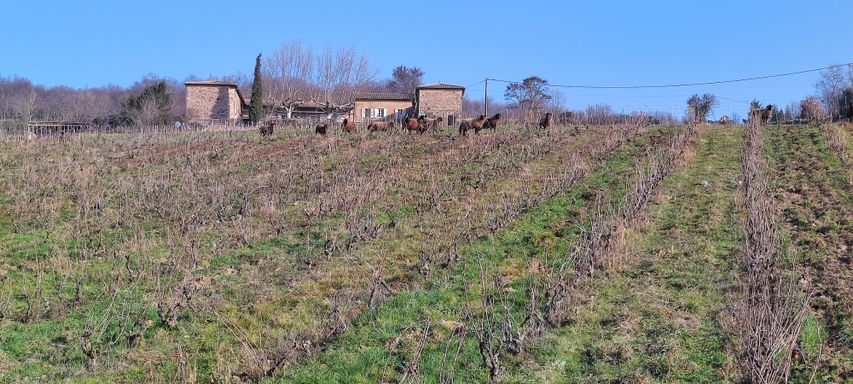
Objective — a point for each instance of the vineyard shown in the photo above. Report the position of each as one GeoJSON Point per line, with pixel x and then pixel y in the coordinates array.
{"type": "Point", "coordinates": [622, 253]}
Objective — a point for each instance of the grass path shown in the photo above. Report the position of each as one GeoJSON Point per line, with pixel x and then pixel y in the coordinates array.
{"type": "Point", "coordinates": [655, 319]}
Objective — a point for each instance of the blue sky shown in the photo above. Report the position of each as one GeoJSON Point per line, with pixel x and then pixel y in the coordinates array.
{"type": "Point", "coordinates": [86, 44]}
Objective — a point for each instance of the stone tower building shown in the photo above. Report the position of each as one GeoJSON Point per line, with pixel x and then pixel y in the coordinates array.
{"type": "Point", "coordinates": [212, 101]}
{"type": "Point", "coordinates": [440, 100]}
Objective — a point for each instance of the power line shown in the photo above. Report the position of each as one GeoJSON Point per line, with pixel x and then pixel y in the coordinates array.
{"type": "Point", "coordinates": [479, 82]}
{"type": "Point", "coordinates": [681, 85]}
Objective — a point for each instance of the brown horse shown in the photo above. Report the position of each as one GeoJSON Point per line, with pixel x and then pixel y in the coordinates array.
{"type": "Point", "coordinates": [763, 114]}
{"type": "Point", "coordinates": [320, 129]}
{"type": "Point", "coordinates": [383, 126]}
{"type": "Point", "coordinates": [348, 126]}
{"type": "Point", "coordinates": [430, 124]}
{"type": "Point", "coordinates": [476, 124]}
{"type": "Point", "coordinates": [545, 122]}
{"type": "Point", "coordinates": [412, 124]}
{"type": "Point", "coordinates": [493, 121]}
{"type": "Point", "coordinates": [266, 128]}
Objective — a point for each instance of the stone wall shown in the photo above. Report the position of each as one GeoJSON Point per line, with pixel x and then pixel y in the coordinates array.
{"type": "Point", "coordinates": [442, 103]}
{"type": "Point", "coordinates": [213, 102]}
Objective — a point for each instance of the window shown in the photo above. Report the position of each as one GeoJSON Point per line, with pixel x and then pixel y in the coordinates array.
{"type": "Point", "coordinates": [380, 112]}
{"type": "Point", "coordinates": [366, 113]}
{"type": "Point", "coordinates": [399, 112]}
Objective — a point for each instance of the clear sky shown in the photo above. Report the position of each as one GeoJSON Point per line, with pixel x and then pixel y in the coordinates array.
{"type": "Point", "coordinates": [94, 43]}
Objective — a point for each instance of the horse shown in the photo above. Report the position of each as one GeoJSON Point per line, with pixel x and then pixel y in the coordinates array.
{"type": "Point", "coordinates": [412, 124]}
{"type": "Point", "coordinates": [348, 126]}
{"type": "Point", "coordinates": [430, 124]}
{"type": "Point", "coordinates": [545, 122]}
{"type": "Point", "coordinates": [266, 129]}
{"type": "Point", "coordinates": [320, 129]}
{"type": "Point", "coordinates": [380, 126]}
{"type": "Point", "coordinates": [476, 124]}
{"type": "Point", "coordinates": [763, 114]}
{"type": "Point", "coordinates": [492, 122]}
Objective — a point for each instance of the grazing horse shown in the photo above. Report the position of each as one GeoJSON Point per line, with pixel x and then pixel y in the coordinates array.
{"type": "Point", "coordinates": [476, 124]}
{"type": "Point", "coordinates": [545, 122]}
{"type": "Point", "coordinates": [266, 129]}
{"type": "Point", "coordinates": [348, 125]}
{"type": "Point", "coordinates": [429, 124]}
{"type": "Point", "coordinates": [321, 129]}
{"type": "Point", "coordinates": [383, 126]}
{"type": "Point", "coordinates": [413, 124]}
{"type": "Point", "coordinates": [763, 114]}
{"type": "Point", "coordinates": [493, 121]}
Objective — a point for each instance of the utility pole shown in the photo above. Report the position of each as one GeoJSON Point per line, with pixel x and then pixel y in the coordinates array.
{"type": "Point", "coordinates": [486, 99]}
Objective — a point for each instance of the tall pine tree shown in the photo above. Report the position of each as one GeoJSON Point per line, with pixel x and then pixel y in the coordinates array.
{"type": "Point", "coordinates": [257, 108]}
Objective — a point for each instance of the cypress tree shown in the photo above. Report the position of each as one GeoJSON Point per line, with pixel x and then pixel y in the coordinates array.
{"type": "Point", "coordinates": [257, 108]}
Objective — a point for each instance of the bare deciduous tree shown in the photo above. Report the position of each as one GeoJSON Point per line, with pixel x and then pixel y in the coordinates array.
{"type": "Point", "coordinates": [830, 88]}
{"type": "Point", "coordinates": [530, 95]}
{"type": "Point", "coordinates": [812, 109]}
{"type": "Point", "coordinates": [700, 106]}
{"type": "Point", "coordinates": [338, 74]}
{"type": "Point", "coordinates": [288, 70]}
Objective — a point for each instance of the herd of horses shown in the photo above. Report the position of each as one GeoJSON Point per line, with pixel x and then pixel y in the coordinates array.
{"type": "Point", "coordinates": [423, 124]}
{"type": "Point", "coordinates": [409, 124]}
{"type": "Point", "coordinates": [763, 115]}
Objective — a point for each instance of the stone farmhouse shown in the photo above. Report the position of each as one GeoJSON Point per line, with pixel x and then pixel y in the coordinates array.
{"type": "Point", "coordinates": [215, 102]}
{"type": "Point", "coordinates": [440, 100]}
{"type": "Point", "coordinates": [380, 106]}
{"type": "Point", "coordinates": [433, 100]}
{"type": "Point", "coordinates": [220, 102]}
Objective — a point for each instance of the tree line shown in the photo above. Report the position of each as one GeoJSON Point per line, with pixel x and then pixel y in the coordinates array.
{"type": "Point", "coordinates": [294, 74]}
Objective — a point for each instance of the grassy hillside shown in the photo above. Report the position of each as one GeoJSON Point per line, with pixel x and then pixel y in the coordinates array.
{"type": "Point", "coordinates": [600, 254]}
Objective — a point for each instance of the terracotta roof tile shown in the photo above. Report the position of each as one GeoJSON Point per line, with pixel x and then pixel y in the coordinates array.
{"type": "Point", "coordinates": [382, 96]}
{"type": "Point", "coordinates": [441, 86]}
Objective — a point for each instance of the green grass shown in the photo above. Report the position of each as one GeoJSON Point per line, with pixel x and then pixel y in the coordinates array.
{"type": "Point", "coordinates": [656, 318]}
{"type": "Point", "coordinates": [263, 309]}
{"type": "Point", "coordinates": [811, 184]}
{"type": "Point", "coordinates": [652, 317]}
{"type": "Point", "coordinates": [378, 344]}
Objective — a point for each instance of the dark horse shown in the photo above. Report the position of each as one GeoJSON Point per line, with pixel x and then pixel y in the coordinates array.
{"type": "Point", "coordinates": [348, 125]}
{"type": "Point", "coordinates": [476, 125]}
{"type": "Point", "coordinates": [492, 122]}
{"type": "Point", "coordinates": [763, 114]}
{"type": "Point", "coordinates": [412, 124]}
{"type": "Point", "coordinates": [266, 129]}
{"type": "Point", "coordinates": [430, 124]}
{"type": "Point", "coordinates": [384, 126]}
{"type": "Point", "coordinates": [320, 129]}
{"type": "Point", "coordinates": [545, 122]}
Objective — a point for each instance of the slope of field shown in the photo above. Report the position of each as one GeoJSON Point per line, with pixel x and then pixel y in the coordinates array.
{"type": "Point", "coordinates": [153, 256]}
{"type": "Point", "coordinates": [420, 335]}
{"type": "Point", "coordinates": [815, 187]}
{"type": "Point", "coordinates": [601, 255]}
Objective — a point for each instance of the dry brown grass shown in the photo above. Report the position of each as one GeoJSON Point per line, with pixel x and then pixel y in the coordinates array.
{"type": "Point", "coordinates": [767, 311]}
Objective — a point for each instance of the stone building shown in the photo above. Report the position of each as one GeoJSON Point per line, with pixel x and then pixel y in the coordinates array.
{"type": "Point", "coordinates": [380, 106]}
{"type": "Point", "coordinates": [440, 100]}
{"type": "Point", "coordinates": [213, 101]}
